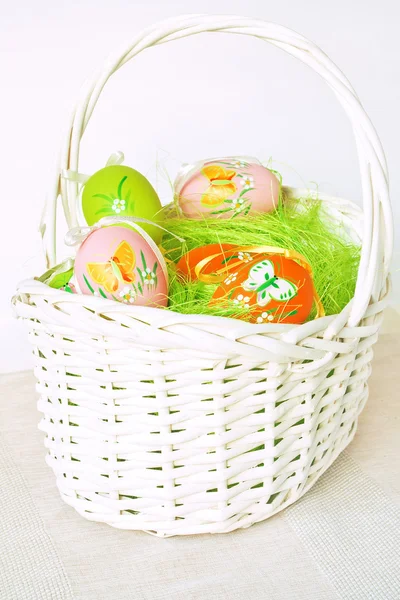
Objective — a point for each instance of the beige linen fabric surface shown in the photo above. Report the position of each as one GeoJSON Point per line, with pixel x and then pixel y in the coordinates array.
{"type": "Point", "coordinates": [341, 541]}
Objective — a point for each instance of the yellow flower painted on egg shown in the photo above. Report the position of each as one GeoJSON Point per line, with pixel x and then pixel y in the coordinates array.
{"type": "Point", "coordinates": [221, 185]}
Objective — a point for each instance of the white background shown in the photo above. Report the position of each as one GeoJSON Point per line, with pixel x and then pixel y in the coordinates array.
{"type": "Point", "coordinates": [208, 95]}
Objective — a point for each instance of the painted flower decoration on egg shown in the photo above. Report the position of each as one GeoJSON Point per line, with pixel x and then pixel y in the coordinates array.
{"type": "Point", "coordinates": [227, 188]}
{"type": "Point", "coordinates": [120, 191]}
{"type": "Point", "coordinates": [118, 263]}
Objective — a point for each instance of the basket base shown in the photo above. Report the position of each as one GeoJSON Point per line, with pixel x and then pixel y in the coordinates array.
{"type": "Point", "coordinates": [240, 521]}
{"type": "Point", "coordinates": [203, 432]}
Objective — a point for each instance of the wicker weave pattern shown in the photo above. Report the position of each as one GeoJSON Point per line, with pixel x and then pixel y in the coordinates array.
{"type": "Point", "coordinates": [161, 422]}
{"type": "Point", "coordinates": [180, 424]}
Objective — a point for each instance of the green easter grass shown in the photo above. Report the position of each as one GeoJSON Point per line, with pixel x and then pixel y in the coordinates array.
{"type": "Point", "coordinates": [298, 225]}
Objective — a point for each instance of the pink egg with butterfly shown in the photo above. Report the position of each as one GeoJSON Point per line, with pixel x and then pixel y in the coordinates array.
{"type": "Point", "coordinates": [226, 188]}
{"type": "Point", "coordinates": [122, 264]}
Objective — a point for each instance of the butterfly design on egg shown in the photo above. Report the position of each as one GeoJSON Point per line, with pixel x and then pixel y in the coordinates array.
{"type": "Point", "coordinates": [263, 281]}
{"type": "Point", "coordinates": [119, 268]}
{"type": "Point", "coordinates": [221, 186]}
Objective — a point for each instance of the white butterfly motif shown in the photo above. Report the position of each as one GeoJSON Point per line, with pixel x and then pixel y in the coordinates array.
{"type": "Point", "coordinates": [262, 279]}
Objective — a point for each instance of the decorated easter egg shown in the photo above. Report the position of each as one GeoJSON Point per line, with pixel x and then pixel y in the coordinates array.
{"type": "Point", "coordinates": [118, 263]}
{"type": "Point", "coordinates": [271, 287]}
{"type": "Point", "coordinates": [121, 191]}
{"type": "Point", "coordinates": [226, 188]}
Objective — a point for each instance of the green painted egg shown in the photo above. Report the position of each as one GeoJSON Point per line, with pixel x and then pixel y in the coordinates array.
{"type": "Point", "coordinates": [121, 191]}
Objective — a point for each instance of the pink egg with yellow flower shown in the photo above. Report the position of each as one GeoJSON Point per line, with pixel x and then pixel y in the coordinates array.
{"type": "Point", "coordinates": [226, 188]}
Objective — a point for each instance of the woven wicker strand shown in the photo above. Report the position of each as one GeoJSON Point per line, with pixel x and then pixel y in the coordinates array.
{"type": "Point", "coordinates": [180, 424]}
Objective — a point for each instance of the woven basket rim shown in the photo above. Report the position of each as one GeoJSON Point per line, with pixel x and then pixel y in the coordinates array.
{"type": "Point", "coordinates": [142, 313]}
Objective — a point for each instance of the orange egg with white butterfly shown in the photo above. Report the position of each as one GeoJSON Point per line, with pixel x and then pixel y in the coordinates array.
{"type": "Point", "coordinates": [271, 288]}
{"type": "Point", "coordinates": [122, 264]}
{"type": "Point", "coordinates": [265, 283]}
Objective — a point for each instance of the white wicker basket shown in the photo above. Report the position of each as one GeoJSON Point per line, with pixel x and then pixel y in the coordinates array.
{"type": "Point", "coordinates": [180, 424]}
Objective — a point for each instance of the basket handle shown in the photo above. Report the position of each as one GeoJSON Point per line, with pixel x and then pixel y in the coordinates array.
{"type": "Point", "coordinates": [378, 223]}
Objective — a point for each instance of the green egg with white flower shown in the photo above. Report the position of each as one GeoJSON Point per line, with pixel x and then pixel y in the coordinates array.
{"type": "Point", "coordinates": [120, 191]}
